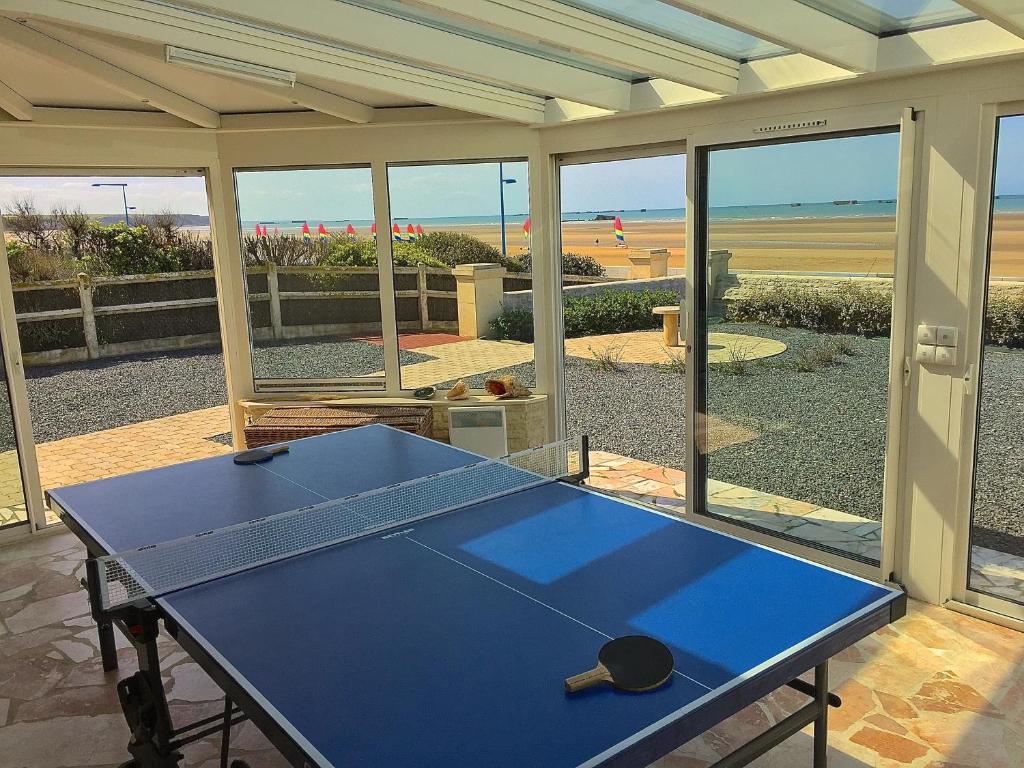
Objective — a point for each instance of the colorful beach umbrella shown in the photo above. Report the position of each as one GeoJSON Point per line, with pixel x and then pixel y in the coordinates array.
{"type": "Point", "coordinates": [351, 231]}
{"type": "Point", "coordinates": [322, 232]}
{"type": "Point", "coordinates": [396, 232]}
{"type": "Point", "coordinates": [259, 232]}
{"type": "Point", "coordinates": [307, 236]}
{"type": "Point", "coordinates": [276, 231]}
{"type": "Point", "coordinates": [419, 231]}
{"type": "Point", "coordinates": [526, 229]}
{"type": "Point", "coordinates": [410, 232]}
{"type": "Point", "coordinates": [620, 236]}
{"type": "Point", "coordinates": [373, 231]}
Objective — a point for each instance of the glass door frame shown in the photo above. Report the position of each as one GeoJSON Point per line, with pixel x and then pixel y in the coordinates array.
{"type": "Point", "coordinates": [15, 383]}
{"type": "Point", "coordinates": [556, 334]}
{"type": "Point", "coordinates": [31, 479]}
{"type": "Point", "coordinates": [957, 558]}
{"type": "Point", "coordinates": [823, 124]}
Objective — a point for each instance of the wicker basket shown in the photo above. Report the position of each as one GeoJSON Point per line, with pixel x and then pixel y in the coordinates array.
{"type": "Point", "coordinates": [280, 424]}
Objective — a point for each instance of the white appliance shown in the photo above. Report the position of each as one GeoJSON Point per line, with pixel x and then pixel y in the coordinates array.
{"type": "Point", "coordinates": [480, 429]}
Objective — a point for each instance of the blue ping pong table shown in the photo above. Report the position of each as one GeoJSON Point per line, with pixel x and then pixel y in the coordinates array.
{"type": "Point", "coordinates": [446, 642]}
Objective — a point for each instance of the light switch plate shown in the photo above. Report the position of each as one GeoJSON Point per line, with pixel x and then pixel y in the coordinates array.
{"type": "Point", "coordinates": [945, 355]}
{"type": "Point", "coordinates": [925, 353]}
{"type": "Point", "coordinates": [926, 334]}
{"type": "Point", "coordinates": [947, 336]}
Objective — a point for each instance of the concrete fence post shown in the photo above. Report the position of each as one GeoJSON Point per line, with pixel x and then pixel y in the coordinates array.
{"type": "Point", "coordinates": [421, 286]}
{"type": "Point", "coordinates": [92, 342]}
{"type": "Point", "coordinates": [480, 290]}
{"type": "Point", "coordinates": [718, 274]}
{"type": "Point", "coordinates": [275, 300]}
{"type": "Point", "coordinates": [645, 263]}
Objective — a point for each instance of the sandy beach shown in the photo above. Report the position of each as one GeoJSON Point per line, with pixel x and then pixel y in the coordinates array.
{"type": "Point", "coordinates": [850, 244]}
{"type": "Point", "coordinates": [862, 244]}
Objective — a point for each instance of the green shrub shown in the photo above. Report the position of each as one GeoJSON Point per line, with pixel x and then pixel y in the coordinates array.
{"type": "Point", "coordinates": [849, 308]}
{"type": "Point", "coordinates": [614, 312]}
{"type": "Point", "coordinates": [29, 265]}
{"type": "Point", "coordinates": [451, 249]}
{"type": "Point", "coordinates": [609, 312]}
{"type": "Point", "coordinates": [516, 324]}
{"type": "Point", "coordinates": [572, 264]}
{"type": "Point", "coordinates": [124, 250]}
{"type": "Point", "coordinates": [1004, 319]}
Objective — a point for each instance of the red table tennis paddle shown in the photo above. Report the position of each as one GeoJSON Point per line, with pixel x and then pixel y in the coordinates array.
{"type": "Point", "coordinates": [631, 663]}
{"type": "Point", "coordinates": [257, 455]}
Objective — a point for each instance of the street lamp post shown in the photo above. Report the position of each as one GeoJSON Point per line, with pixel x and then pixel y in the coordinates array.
{"type": "Point", "coordinates": [124, 196]}
{"type": "Point", "coordinates": [502, 181]}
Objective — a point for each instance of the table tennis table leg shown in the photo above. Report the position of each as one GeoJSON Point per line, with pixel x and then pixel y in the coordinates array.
{"type": "Point", "coordinates": [821, 721]}
{"type": "Point", "coordinates": [104, 625]}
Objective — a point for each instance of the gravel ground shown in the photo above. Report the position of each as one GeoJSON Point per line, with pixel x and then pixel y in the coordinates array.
{"type": "Point", "coordinates": [75, 399]}
{"type": "Point", "coordinates": [821, 433]}
{"type": "Point", "coordinates": [999, 490]}
{"type": "Point", "coordinates": [325, 358]}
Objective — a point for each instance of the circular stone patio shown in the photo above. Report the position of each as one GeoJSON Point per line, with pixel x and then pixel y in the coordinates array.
{"type": "Point", "coordinates": [647, 347]}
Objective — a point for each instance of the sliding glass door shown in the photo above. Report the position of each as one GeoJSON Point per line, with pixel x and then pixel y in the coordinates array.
{"type": "Point", "coordinates": [995, 538]}
{"type": "Point", "coordinates": [797, 271]}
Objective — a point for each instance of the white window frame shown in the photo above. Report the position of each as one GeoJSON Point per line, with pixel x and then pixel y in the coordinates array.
{"type": "Point", "coordinates": [956, 555]}
{"type": "Point", "coordinates": [893, 561]}
{"type": "Point", "coordinates": [358, 385]}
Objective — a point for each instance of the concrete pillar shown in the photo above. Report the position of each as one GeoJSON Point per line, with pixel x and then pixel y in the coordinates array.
{"type": "Point", "coordinates": [88, 317]}
{"type": "Point", "coordinates": [718, 273]}
{"type": "Point", "coordinates": [424, 296]}
{"type": "Point", "coordinates": [648, 262]}
{"type": "Point", "coordinates": [480, 292]}
{"type": "Point", "coordinates": [275, 300]}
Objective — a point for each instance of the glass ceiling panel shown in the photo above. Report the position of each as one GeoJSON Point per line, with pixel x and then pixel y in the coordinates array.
{"type": "Point", "coordinates": [886, 17]}
{"type": "Point", "coordinates": [483, 34]}
{"type": "Point", "coordinates": [672, 22]}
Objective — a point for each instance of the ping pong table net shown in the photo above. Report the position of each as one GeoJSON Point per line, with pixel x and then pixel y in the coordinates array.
{"type": "Point", "coordinates": [158, 569]}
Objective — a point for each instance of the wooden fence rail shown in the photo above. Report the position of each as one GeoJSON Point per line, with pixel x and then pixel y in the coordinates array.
{"type": "Point", "coordinates": [46, 331]}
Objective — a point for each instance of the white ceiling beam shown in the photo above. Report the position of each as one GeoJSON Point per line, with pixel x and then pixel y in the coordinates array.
{"type": "Point", "coordinates": [14, 104]}
{"type": "Point", "coordinates": [328, 103]}
{"type": "Point", "coordinates": [1008, 14]}
{"type": "Point", "coordinates": [795, 26]}
{"type": "Point", "coordinates": [165, 24]}
{"type": "Point", "coordinates": [593, 36]}
{"type": "Point", "coordinates": [35, 43]}
{"type": "Point", "coordinates": [383, 34]}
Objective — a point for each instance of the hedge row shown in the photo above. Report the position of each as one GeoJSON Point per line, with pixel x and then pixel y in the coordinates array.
{"type": "Point", "coordinates": [857, 309]}
{"type": "Point", "coordinates": [609, 312]}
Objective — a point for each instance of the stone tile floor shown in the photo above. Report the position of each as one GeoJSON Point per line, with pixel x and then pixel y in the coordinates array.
{"type": "Point", "coordinates": [935, 690]}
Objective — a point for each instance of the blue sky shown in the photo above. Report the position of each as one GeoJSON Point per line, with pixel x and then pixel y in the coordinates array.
{"type": "Point", "coordinates": [862, 168]}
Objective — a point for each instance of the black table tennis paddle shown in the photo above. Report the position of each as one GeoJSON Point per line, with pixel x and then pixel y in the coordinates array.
{"type": "Point", "coordinates": [631, 663]}
{"type": "Point", "coordinates": [257, 455]}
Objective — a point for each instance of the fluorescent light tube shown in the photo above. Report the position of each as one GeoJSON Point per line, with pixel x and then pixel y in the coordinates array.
{"type": "Point", "coordinates": [221, 65]}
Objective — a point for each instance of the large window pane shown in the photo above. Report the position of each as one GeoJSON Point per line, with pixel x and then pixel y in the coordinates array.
{"type": "Point", "coordinates": [116, 298]}
{"type": "Point", "coordinates": [463, 279]}
{"type": "Point", "coordinates": [997, 522]}
{"type": "Point", "coordinates": [799, 269]}
{"type": "Point", "coordinates": [623, 246]}
{"type": "Point", "coordinates": [312, 276]}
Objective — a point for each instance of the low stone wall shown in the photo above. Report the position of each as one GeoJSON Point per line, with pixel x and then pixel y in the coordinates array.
{"type": "Point", "coordinates": [523, 300]}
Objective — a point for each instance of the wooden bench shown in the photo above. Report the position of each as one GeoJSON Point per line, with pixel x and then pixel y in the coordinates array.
{"type": "Point", "coordinates": [670, 324]}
